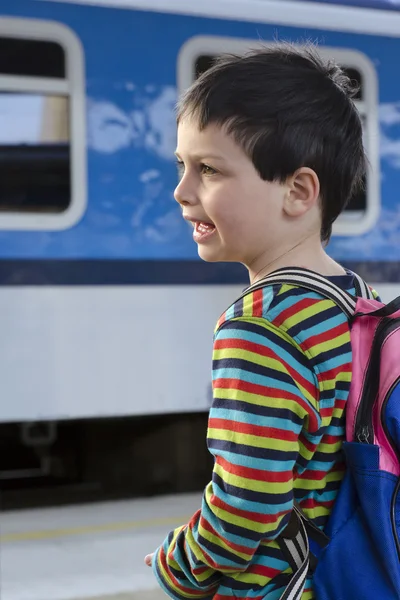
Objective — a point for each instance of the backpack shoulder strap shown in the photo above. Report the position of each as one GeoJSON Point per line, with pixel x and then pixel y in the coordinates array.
{"type": "Point", "coordinates": [316, 283]}
{"type": "Point", "coordinates": [362, 288]}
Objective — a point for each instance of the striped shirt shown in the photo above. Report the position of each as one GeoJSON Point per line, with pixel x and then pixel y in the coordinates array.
{"type": "Point", "coordinates": [281, 377]}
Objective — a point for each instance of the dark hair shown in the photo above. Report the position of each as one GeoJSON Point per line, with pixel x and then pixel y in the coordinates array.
{"type": "Point", "coordinates": [287, 108]}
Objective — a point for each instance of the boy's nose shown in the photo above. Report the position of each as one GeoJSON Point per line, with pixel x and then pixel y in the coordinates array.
{"type": "Point", "coordinates": [183, 194]}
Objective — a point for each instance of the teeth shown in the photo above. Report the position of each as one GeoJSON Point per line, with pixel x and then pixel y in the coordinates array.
{"type": "Point", "coordinates": [204, 227]}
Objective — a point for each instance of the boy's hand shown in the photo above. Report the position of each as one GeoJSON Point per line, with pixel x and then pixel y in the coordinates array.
{"type": "Point", "coordinates": [148, 559]}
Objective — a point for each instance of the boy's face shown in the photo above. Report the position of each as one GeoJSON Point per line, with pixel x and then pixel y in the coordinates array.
{"type": "Point", "coordinates": [236, 215]}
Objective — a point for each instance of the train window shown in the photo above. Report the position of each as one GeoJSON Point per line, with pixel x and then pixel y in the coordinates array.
{"type": "Point", "coordinates": [34, 153]}
{"type": "Point", "coordinates": [42, 126]}
{"type": "Point", "coordinates": [198, 55]}
{"type": "Point", "coordinates": [38, 58]}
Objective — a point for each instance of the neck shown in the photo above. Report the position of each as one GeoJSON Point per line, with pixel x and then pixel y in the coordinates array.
{"type": "Point", "coordinates": [308, 254]}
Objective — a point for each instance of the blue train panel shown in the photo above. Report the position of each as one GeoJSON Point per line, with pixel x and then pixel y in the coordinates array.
{"type": "Point", "coordinates": [130, 86]}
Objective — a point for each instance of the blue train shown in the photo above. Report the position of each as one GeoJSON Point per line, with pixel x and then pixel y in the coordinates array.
{"type": "Point", "coordinates": [105, 308]}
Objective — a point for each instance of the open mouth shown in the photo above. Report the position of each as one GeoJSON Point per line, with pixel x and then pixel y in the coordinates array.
{"type": "Point", "coordinates": [202, 231]}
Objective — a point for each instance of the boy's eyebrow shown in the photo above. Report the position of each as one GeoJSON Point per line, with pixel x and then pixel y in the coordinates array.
{"type": "Point", "coordinates": [201, 156]}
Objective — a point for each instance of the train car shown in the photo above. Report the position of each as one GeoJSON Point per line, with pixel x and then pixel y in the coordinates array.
{"type": "Point", "coordinates": [106, 311]}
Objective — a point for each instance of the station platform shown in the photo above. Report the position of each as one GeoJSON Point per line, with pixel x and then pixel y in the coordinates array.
{"type": "Point", "coordinates": [88, 552]}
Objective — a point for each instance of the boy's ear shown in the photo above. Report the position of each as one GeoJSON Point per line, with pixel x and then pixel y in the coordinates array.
{"type": "Point", "coordinates": [302, 192]}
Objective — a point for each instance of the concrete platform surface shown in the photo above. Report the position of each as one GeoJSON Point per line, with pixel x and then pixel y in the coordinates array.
{"type": "Point", "coordinates": [88, 552]}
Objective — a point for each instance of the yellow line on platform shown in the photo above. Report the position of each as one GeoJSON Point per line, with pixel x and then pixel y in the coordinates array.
{"type": "Point", "coordinates": [49, 534]}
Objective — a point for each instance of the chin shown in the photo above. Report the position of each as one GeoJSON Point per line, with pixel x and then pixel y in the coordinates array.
{"type": "Point", "coordinates": [209, 254]}
{"type": "Point", "coordinates": [212, 255]}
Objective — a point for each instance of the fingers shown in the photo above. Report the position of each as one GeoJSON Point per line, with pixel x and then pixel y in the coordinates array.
{"type": "Point", "coordinates": [148, 559]}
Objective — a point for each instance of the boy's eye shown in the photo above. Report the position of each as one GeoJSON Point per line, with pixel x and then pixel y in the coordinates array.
{"type": "Point", "coordinates": [206, 170]}
{"type": "Point", "coordinates": [181, 168]}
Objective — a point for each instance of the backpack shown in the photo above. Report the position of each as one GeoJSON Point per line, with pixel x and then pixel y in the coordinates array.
{"type": "Point", "coordinates": [357, 556]}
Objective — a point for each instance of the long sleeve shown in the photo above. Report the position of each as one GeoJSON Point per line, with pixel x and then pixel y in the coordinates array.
{"type": "Point", "coordinates": [264, 391]}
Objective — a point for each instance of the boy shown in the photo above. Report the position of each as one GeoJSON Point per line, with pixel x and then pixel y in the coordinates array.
{"type": "Point", "coordinates": [270, 150]}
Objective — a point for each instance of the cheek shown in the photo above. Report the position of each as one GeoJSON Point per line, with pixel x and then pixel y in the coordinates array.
{"type": "Point", "coordinates": [244, 211]}
{"type": "Point", "coordinates": [228, 219]}
{"type": "Point", "coordinates": [227, 205]}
